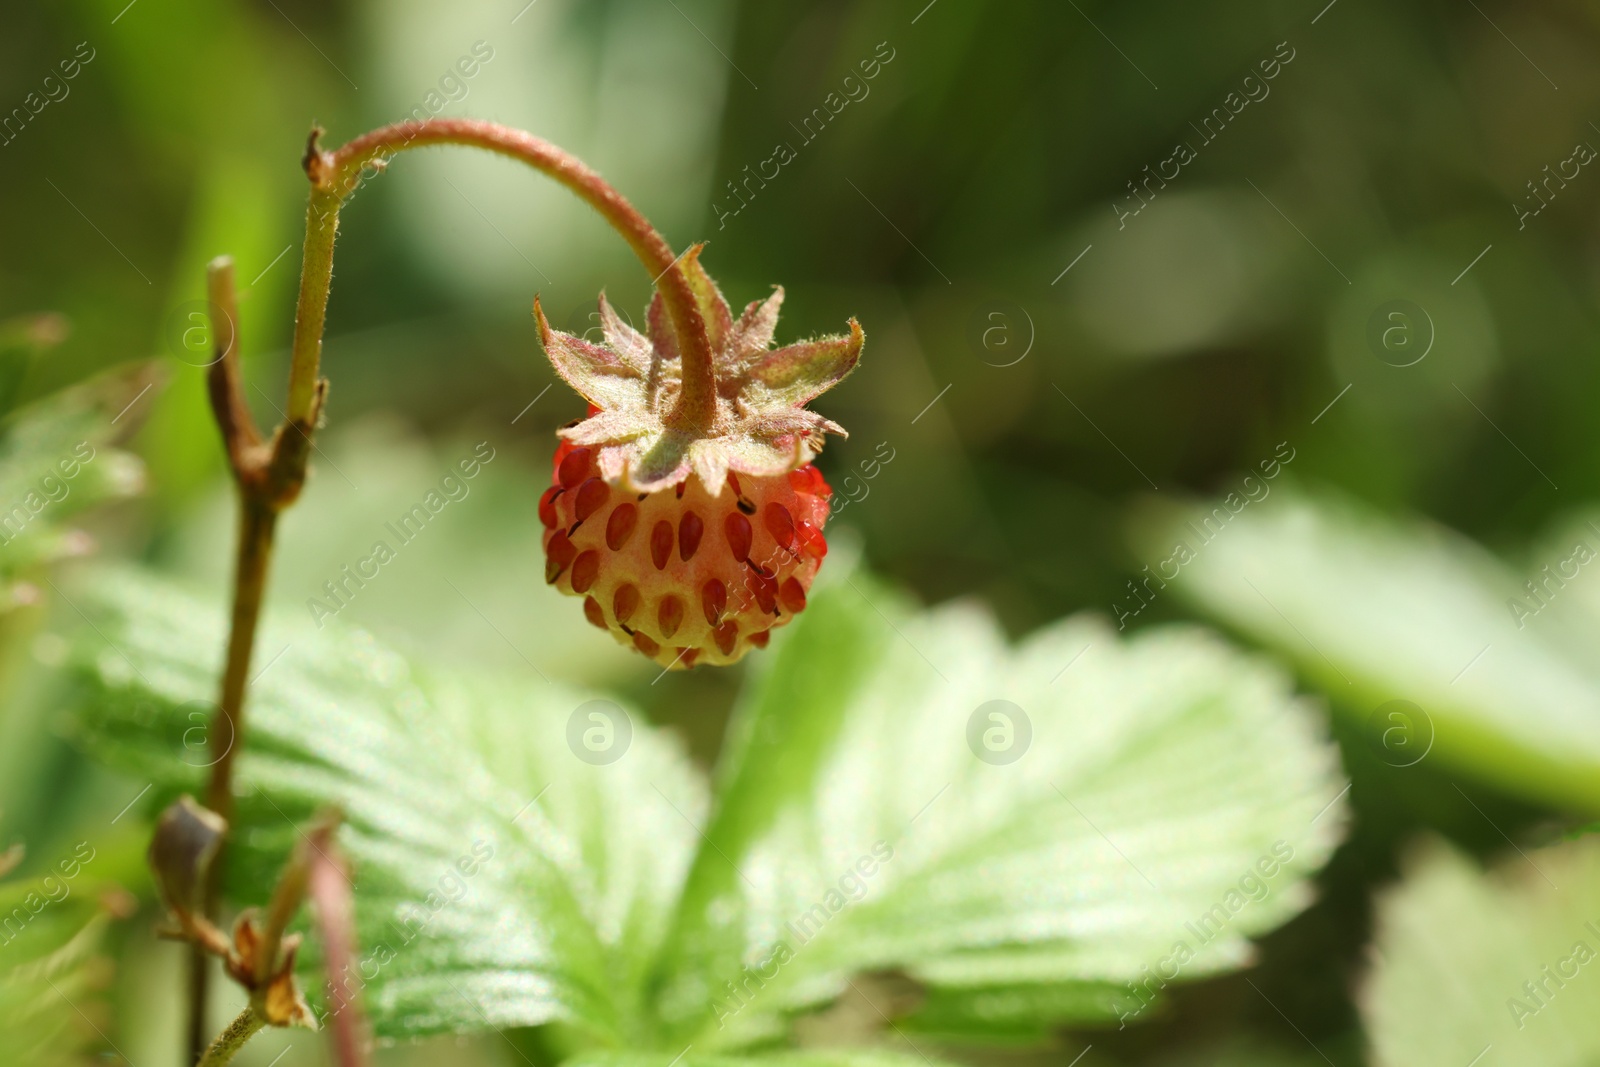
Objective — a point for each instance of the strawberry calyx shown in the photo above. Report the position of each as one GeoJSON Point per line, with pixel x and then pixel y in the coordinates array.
{"type": "Point", "coordinates": [648, 427]}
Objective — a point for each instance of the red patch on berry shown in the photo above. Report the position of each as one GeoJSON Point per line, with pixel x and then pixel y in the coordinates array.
{"type": "Point", "coordinates": [812, 543]}
{"type": "Point", "coordinates": [661, 544]}
{"type": "Point", "coordinates": [669, 616]}
{"type": "Point", "coordinates": [713, 600]}
{"type": "Point", "coordinates": [765, 590]}
{"type": "Point", "coordinates": [559, 554]}
{"type": "Point", "coordinates": [780, 524]}
{"type": "Point", "coordinates": [624, 603]}
{"type": "Point", "coordinates": [645, 571]}
{"type": "Point", "coordinates": [793, 596]}
{"type": "Point", "coordinates": [739, 534]}
{"type": "Point", "coordinates": [585, 569]}
{"type": "Point", "coordinates": [573, 468]}
{"type": "Point", "coordinates": [807, 480]}
{"type": "Point", "coordinates": [690, 530]}
{"type": "Point", "coordinates": [592, 496]}
{"type": "Point", "coordinates": [620, 526]}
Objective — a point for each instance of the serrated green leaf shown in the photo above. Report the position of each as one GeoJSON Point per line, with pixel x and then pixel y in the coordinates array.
{"type": "Point", "coordinates": [856, 828]}
{"type": "Point", "coordinates": [1377, 611]}
{"type": "Point", "coordinates": [1494, 969]}
{"type": "Point", "coordinates": [500, 880]}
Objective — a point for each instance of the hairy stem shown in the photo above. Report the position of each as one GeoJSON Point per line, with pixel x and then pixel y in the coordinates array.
{"type": "Point", "coordinates": [231, 1040]}
{"type": "Point", "coordinates": [311, 310]}
{"type": "Point", "coordinates": [335, 175]}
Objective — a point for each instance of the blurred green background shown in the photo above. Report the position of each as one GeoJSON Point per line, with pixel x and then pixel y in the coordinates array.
{"type": "Point", "coordinates": [1042, 363]}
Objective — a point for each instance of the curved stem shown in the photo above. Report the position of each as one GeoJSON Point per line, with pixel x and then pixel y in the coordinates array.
{"type": "Point", "coordinates": [270, 473]}
{"type": "Point", "coordinates": [335, 175]}
{"type": "Point", "coordinates": [231, 1040]}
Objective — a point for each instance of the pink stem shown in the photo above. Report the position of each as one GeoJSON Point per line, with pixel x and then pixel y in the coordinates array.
{"type": "Point", "coordinates": [334, 176]}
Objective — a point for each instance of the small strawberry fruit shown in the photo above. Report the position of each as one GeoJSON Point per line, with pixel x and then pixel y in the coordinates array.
{"type": "Point", "coordinates": [684, 509]}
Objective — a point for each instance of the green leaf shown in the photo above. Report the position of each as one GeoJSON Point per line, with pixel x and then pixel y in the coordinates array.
{"type": "Point", "coordinates": [857, 829]}
{"type": "Point", "coordinates": [1494, 968]}
{"type": "Point", "coordinates": [56, 461]}
{"type": "Point", "coordinates": [1241, 1051]}
{"type": "Point", "coordinates": [500, 880]}
{"type": "Point", "coordinates": [813, 1058]}
{"type": "Point", "coordinates": [1376, 611]}
{"type": "Point", "coordinates": [51, 969]}
{"type": "Point", "coordinates": [1017, 1013]}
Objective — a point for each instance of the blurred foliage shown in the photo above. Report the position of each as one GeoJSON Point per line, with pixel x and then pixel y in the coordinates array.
{"type": "Point", "coordinates": [968, 202]}
{"type": "Point", "coordinates": [504, 883]}
{"type": "Point", "coordinates": [1532, 933]}
{"type": "Point", "coordinates": [1372, 609]}
{"type": "Point", "coordinates": [51, 965]}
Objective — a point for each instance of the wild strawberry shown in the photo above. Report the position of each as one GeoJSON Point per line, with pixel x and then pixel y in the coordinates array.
{"type": "Point", "coordinates": [689, 521]}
